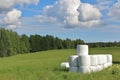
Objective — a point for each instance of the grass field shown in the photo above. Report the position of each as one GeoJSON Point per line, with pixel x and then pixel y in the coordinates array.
{"type": "Point", "coordinates": [45, 65]}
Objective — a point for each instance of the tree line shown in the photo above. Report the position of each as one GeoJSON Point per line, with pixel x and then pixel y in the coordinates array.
{"type": "Point", "coordinates": [11, 43]}
{"type": "Point", "coordinates": [104, 44]}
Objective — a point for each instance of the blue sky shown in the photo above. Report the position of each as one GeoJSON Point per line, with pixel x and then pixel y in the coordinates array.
{"type": "Point", "coordinates": [89, 20]}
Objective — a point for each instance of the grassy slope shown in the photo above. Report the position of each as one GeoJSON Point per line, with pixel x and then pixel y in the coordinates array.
{"type": "Point", "coordinates": [45, 66]}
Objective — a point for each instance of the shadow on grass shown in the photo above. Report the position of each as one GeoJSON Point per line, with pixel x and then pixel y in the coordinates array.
{"type": "Point", "coordinates": [116, 62]}
{"type": "Point", "coordinates": [61, 69]}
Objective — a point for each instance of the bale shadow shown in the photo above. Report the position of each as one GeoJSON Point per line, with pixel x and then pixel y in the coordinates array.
{"type": "Point", "coordinates": [116, 62]}
{"type": "Point", "coordinates": [61, 69]}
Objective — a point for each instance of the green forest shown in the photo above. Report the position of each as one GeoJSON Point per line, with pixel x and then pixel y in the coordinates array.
{"type": "Point", "coordinates": [11, 43]}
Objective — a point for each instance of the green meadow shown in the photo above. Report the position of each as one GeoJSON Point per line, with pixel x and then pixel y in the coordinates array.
{"type": "Point", "coordinates": [45, 65]}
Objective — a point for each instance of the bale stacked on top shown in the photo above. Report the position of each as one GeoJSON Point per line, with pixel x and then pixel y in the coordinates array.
{"type": "Point", "coordinates": [84, 63]}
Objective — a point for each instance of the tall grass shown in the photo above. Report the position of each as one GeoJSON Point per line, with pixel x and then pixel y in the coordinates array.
{"type": "Point", "coordinates": [45, 65]}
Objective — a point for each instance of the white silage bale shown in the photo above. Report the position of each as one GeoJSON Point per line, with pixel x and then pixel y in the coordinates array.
{"type": "Point", "coordinates": [93, 60]}
{"type": "Point", "coordinates": [82, 50]}
{"type": "Point", "coordinates": [73, 69]}
{"type": "Point", "coordinates": [73, 61]}
{"type": "Point", "coordinates": [65, 64]}
{"type": "Point", "coordinates": [99, 67]}
{"type": "Point", "coordinates": [100, 59]}
{"type": "Point", "coordinates": [106, 65]}
{"type": "Point", "coordinates": [109, 58]}
{"type": "Point", "coordinates": [84, 69]}
{"type": "Point", "coordinates": [105, 56]}
{"type": "Point", "coordinates": [84, 60]}
{"type": "Point", "coordinates": [94, 68]}
{"type": "Point", "coordinates": [110, 64]}
{"type": "Point", "coordinates": [104, 59]}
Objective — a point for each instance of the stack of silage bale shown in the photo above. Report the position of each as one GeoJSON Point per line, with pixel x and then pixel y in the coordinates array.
{"type": "Point", "coordinates": [83, 59]}
{"type": "Point", "coordinates": [84, 63]}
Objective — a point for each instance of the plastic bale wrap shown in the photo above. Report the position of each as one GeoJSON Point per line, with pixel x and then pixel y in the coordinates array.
{"type": "Point", "coordinates": [93, 60]}
{"type": "Point", "coordinates": [106, 65]}
{"type": "Point", "coordinates": [84, 60]}
{"type": "Point", "coordinates": [100, 59]}
{"type": "Point", "coordinates": [99, 67]}
{"type": "Point", "coordinates": [109, 64]}
{"type": "Point", "coordinates": [104, 59]}
{"type": "Point", "coordinates": [84, 69]}
{"type": "Point", "coordinates": [94, 68]}
{"type": "Point", "coordinates": [65, 64]}
{"type": "Point", "coordinates": [73, 61]}
{"type": "Point", "coordinates": [73, 69]}
{"type": "Point", "coordinates": [82, 50]}
{"type": "Point", "coordinates": [109, 58]}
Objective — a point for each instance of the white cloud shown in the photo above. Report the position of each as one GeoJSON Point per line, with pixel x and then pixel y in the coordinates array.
{"type": "Point", "coordinates": [117, 4]}
{"type": "Point", "coordinates": [12, 17]}
{"type": "Point", "coordinates": [5, 4]}
{"type": "Point", "coordinates": [115, 10]}
{"type": "Point", "coordinates": [12, 27]}
{"type": "Point", "coordinates": [72, 13]}
{"type": "Point", "coordinates": [104, 4]}
{"type": "Point", "coordinates": [27, 1]}
{"type": "Point", "coordinates": [88, 12]}
{"type": "Point", "coordinates": [64, 11]}
{"type": "Point", "coordinates": [45, 19]}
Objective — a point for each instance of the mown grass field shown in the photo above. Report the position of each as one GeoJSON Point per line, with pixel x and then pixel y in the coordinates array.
{"type": "Point", "coordinates": [45, 65]}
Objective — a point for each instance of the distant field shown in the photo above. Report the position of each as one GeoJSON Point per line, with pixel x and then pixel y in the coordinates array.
{"type": "Point", "coordinates": [45, 66]}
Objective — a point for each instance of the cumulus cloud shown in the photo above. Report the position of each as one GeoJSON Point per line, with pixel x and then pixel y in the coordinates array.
{"type": "Point", "coordinates": [88, 12]}
{"type": "Point", "coordinates": [12, 17]}
{"type": "Point", "coordinates": [73, 13]}
{"type": "Point", "coordinates": [9, 16]}
{"type": "Point", "coordinates": [64, 11]}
